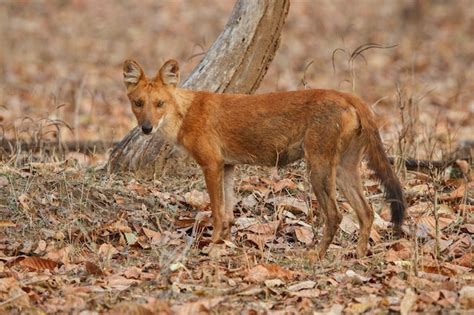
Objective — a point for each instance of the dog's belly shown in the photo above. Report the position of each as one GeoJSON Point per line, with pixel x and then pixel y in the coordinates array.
{"type": "Point", "coordinates": [265, 154]}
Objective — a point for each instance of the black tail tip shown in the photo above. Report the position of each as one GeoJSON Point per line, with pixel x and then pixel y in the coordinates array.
{"type": "Point", "coordinates": [398, 215]}
{"type": "Point", "coordinates": [397, 231]}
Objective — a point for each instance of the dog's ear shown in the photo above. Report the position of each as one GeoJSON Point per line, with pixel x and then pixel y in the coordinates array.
{"type": "Point", "coordinates": [132, 74]}
{"type": "Point", "coordinates": [169, 73]}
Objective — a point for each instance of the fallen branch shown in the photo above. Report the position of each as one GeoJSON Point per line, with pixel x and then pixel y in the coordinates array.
{"type": "Point", "coordinates": [414, 164]}
{"type": "Point", "coordinates": [463, 152]}
{"type": "Point", "coordinates": [11, 147]}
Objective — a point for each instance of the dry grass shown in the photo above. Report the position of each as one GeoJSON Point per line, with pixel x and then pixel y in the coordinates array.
{"type": "Point", "coordinates": [71, 215]}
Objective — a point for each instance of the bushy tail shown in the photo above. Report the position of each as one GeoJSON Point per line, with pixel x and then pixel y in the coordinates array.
{"type": "Point", "coordinates": [379, 163]}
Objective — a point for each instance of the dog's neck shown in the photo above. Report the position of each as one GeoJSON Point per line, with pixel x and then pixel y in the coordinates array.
{"type": "Point", "coordinates": [183, 98]}
{"type": "Point", "coordinates": [172, 121]}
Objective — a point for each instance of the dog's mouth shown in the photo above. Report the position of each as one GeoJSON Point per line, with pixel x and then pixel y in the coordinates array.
{"type": "Point", "coordinates": [155, 129]}
{"type": "Point", "coordinates": [148, 129]}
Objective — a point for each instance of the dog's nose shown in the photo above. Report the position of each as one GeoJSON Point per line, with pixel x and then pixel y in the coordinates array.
{"type": "Point", "coordinates": [147, 128]}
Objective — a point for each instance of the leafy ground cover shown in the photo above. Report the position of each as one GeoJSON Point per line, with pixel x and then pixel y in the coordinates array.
{"type": "Point", "coordinates": [77, 238]}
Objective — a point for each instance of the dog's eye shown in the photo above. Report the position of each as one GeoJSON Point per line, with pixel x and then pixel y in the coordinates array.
{"type": "Point", "coordinates": [160, 104]}
{"type": "Point", "coordinates": [138, 103]}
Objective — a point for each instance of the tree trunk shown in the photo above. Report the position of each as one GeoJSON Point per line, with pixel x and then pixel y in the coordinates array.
{"type": "Point", "coordinates": [235, 63]}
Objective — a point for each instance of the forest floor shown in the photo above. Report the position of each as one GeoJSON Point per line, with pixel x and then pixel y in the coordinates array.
{"type": "Point", "coordinates": [79, 239]}
{"type": "Point", "coordinates": [75, 239]}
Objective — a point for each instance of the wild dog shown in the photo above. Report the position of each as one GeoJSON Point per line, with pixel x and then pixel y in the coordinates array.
{"type": "Point", "coordinates": [332, 130]}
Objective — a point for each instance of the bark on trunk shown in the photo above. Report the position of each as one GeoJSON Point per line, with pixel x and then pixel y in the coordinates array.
{"type": "Point", "coordinates": [235, 63]}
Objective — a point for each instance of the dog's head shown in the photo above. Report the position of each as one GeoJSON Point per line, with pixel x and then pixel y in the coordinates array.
{"type": "Point", "coordinates": [151, 98]}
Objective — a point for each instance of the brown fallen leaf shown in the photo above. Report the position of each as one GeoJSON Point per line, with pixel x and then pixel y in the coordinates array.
{"type": "Point", "coordinates": [120, 226]}
{"type": "Point", "coordinates": [7, 283]}
{"type": "Point", "coordinates": [130, 308]}
{"type": "Point", "coordinates": [73, 301]}
{"type": "Point", "coordinates": [349, 224]}
{"type": "Point", "coordinates": [380, 223]}
{"type": "Point", "coordinates": [120, 283]}
{"type": "Point", "coordinates": [93, 269]}
{"type": "Point", "coordinates": [465, 168]}
{"type": "Point", "coordinates": [181, 223]}
{"type": "Point", "coordinates": [249, 202]}
{"type": "Point", "coordinates": [199, 307]}
{"type": "Point", "coordinates": [263, 272]}
{"type": "Point", "coordinates": [401, 250]}
{"type": "Point", "coordinates": [253, 180]}
{"type": "Point", "coordinates": [372, 185]}
{"type": "Point", "coordinates": [445, 210]}
{"type": "Point", "coordinates": [151, 234]}
{"type": "Point", "coordinates": [430, 297]}
{"type": "Point", "coordinates": [251, 291]}
{"type": "Point", "coordinates": [216, 251]}
{"type": "Point", "coordinates": [308, 284]}
{"type": "Point", "coordinates": [291, 204]}
{"type": "Point", "coordinates": [243, 223]}
{"type": "Point", "coordinates": [264, 228]}
{"type": "Point", "coordinates": [355, 277]}
{"type": "Point", "coordinates": [466, 260]}
{"type": "Point", "coordinates": [418, 209]}
{"type": "Point", "coordinates": [272, 283]}
{"type": "Point", "coordinates": [132, 273]}
{"type": "Point", "coordinates": [197, 199]}
{"type": "Point", "coordinates": [119, 199]}
{"type": "Point", "coordinates": [257, 189]}
{"type": "Point", "coordinates": [461, 246]}
{"type": "Point", "coordinates": [159, 306]}
{"type": "Point", "coordinates": [464, 208]}
{"type": "Point", "coordinates": [433, 277]}
{"type": "Point", "coordinates": [107, 251]}
{"type": "Point", "coordinates": [3, 181]}
{"type": "Point", "coordinates": [335, 309]}
{"type": "Point", "coordinates": [458, 193]}
{"type": "Point", "coordinates": [285, 183]}
{"type": "Point", "coordinates": [81, 159]}
{"type": "Point", "coordinates": [419, 190]}
{"type": "Point", "coordinates": [430, 246]}
{"type": "Point", "coordinates": [38, 263]}
{"type": "Point", "coordinates": [468, 228]}
{"type": "Point", "coordinates": [397, 283]}
{"type": "Point", "coordinates": [261, 232]}
{"type": "Point", "coordinates": [60, 254]}
{"type": "Point", "coordinates": [444, 268]}
{"type": "Point", "coordinates": [456, 269]}
{"type": "Point", "coordinates": [306, 293]}
{"type": "Point", "coordinates": [24, 200]}
{"type": "Point", "coordinates": [427, 224]}
{"type": "Point", "coordinates": [448, 298]}
{"type": "Point", "coordinates": [140, 189]}
{"type": "Point", "coordinates": [466, 297]}
{"type": "Point", "coordinates": [363, 304]}
{"type": "Point", "coordinates": [259, 239]}
{"type": "Point", "coordinates": [408, 301]}
{"type": "Point", "coordinates": [304, 234]}
{"type": "Point", "coordinates": [131, 238]}
{"type": "Point", "coordinates": [11, 292]}
{"type": "Point", "coordinates": [375, 236]}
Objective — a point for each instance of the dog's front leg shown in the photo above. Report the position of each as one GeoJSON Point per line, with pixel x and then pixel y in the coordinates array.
{"type": "Point", "coordinates": [214, 175]}
{"type": "Point", "coordinates": [229, 200]}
